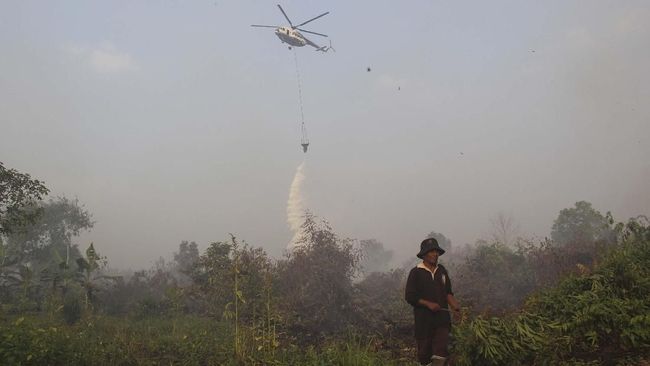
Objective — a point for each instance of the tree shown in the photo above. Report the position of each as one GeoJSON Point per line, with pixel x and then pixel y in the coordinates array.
{"type": "Point", "coordinates": [78, 284]}
{"type": "Point", "coordinates": [504, 229]}
{"type": "Point", "coordinates": [442, 240]}
{"type": "Point", "coordinates": [143, 294]}
{"type": "Point", "coordinates": [186, 257]}
{"type": "Point", "coordinates": [230, 277]}
{"type": "Point", "coordinates": [493, 277]}
{"type": "Point", "coordinates": [92, 279]}
{"type": "Point", "coordinates": [582, 224]}
{"type": "Point", "coordinates": [379, 303]}
{"type": "Point", "coordinates": [212, 276]}
{"type": "Point", "coordinates": [315, 280]}
{"type": "Point", "coordinates": [60, 221]}
{"type": "Point", "coordinates": [374, 258]}
{"type": "Point", "coordinates": [45, 246]}
{"type": "Point", "coordinates": [19, 194]}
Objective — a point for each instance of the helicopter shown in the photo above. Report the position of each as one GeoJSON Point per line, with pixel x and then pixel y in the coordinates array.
{"type": "Point", "coordinates": [291, 35]}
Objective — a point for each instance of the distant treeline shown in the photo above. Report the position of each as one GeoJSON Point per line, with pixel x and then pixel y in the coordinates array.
{"type": "Point", "coordinates": [579, 297]}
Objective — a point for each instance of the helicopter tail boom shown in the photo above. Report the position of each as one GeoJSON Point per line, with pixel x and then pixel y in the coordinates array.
{"type": "Point", "coordinates": [326, 48]}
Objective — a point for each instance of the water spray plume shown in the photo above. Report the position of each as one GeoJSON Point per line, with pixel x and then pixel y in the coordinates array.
{"type": "Point", "coordinates": [295, 205]}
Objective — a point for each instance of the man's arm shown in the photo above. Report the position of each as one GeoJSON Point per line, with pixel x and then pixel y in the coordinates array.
{"type": "Point", "coordinates": [451, 300]}
{"type": "Point", "coordinates": [453, 303]}
{"type": "Point", "coordinates": [433, 306]}
{"type": "Point", "coordinates": [411, 294]}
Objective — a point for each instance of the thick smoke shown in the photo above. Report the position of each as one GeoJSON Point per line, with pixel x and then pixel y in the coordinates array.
{"type": "Point", "coordinates": [295, 205]}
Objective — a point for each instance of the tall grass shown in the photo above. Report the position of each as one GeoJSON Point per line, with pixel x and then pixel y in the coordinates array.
{"type": "Point", "coordinates": [181, 340]}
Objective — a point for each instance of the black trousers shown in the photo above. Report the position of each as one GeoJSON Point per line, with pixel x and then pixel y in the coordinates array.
{"type": "Point", "coordinates": [437, 345]}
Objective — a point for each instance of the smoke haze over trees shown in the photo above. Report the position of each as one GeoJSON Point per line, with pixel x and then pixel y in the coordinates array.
{"type": "Point", "coordinates": [374, 257]}
{"type": "Point", "coordinates": [328, 285]}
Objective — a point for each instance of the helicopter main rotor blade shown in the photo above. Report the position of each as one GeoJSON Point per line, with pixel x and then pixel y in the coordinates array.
{"type": "Point", "coordinates": [310, 20]}
{"type": "Point", "coordinates": [265, 26]}
{"type": "Point", "coordinates": [286, 17]}
{"type": "Point", "coordinates": [318, 34]}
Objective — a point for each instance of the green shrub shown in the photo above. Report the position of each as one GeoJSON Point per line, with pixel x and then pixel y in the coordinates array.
{"type": "Point", "coordinates": [599, 317]}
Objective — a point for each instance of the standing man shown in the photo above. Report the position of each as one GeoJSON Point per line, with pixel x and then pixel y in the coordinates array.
{"type": "Point", "coordinates": [428, 290]}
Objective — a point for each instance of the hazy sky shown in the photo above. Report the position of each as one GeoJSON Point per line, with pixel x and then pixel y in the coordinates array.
{"type": "Point", "coordinates": [175, 120]}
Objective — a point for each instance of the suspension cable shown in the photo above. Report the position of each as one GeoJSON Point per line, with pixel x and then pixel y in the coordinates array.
{"type": "Point", "coordinates": [303, 130]}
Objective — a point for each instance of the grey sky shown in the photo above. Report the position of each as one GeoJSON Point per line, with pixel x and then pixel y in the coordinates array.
{"type": "Point", "coordinates": [175, 120]}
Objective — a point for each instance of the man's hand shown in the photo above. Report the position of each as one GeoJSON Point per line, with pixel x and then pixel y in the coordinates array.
{"type": "Point", "coordinates": [429, 305]}
{"type": "Point", "coordinates": [433, 306]}
{"type": "Point", "coordinates": [456, 312]}
{"type": "Point", "coordinates": [453, 303]}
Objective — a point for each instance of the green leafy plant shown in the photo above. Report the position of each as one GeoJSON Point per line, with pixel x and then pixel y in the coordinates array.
{"type": "Point", "coordinates": [596, 317]}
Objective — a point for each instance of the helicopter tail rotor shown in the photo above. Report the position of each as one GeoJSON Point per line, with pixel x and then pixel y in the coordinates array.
{"type": "Point", "coordinates": [326, 48]}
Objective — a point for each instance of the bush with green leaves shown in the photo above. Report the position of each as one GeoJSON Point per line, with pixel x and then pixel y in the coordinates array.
{"type": "Point", "coordinates": [598, 317]}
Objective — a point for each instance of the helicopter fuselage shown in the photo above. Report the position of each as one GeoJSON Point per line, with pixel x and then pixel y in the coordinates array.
{"type": "Point", "coordinates": [290, 36]}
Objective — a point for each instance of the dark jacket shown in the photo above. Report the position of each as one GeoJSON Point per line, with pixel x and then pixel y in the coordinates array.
{"type": "Point", "coordinates": [422, 285]}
